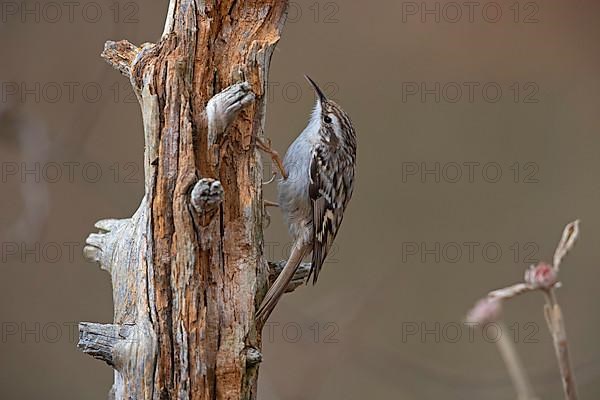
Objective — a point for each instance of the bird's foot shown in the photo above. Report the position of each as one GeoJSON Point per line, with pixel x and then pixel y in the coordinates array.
{"type": "Point", "coordinates": [270, 180]}
{"type": "Point", "coordinates": [266, 147]}
{"type": "Point", "coordinates": [266, 217]}
{"type": "Point", "coordinates": [266, 214]}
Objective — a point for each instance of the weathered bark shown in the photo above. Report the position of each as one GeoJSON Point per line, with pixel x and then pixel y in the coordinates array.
{"type": "Point", "coordinates": [188, 268]}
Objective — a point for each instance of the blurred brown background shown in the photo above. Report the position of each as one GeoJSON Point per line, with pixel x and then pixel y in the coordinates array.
{"type": "Point", "coordinates": [71, 150]}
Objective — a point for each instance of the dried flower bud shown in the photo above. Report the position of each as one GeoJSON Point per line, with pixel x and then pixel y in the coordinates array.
{"type": "Point", "coordinates": [485, 311]}
{"type": "Point", "coordinates": [542, 276]}
{"type": "Point", "coordinates": [566, 243]}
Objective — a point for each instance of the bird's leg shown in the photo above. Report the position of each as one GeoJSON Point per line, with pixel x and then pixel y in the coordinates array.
{"type": "Point", "coordinates": [266, 204]}
{"type": "Point", "coordinates": [266, 147]}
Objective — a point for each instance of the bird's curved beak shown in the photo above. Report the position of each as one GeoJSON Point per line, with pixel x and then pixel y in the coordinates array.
{"type": "Point", "coordinates": [317, 89]}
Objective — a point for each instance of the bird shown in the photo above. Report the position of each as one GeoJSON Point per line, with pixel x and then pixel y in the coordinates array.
{"type": "Point", "coordinates": [320, 167]}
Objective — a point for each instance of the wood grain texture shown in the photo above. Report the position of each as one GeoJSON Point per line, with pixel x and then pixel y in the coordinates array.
{"type": "Point", "coordinates": [186, 280]}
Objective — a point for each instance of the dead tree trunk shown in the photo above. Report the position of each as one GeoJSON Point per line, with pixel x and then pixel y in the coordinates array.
{"type": "Point", "coordinates": [188, 268]}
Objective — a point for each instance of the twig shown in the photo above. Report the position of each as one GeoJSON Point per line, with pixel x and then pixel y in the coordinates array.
{"type": "Point", "coordinates": [556, 325]}
{"type": "Point", "coordinates": [488, 310]}
{"type": "Point", "coordinates": [514, 365]}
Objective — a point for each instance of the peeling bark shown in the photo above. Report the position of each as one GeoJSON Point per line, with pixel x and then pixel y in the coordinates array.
{"type": "Point", "coordinates": [188, 268]}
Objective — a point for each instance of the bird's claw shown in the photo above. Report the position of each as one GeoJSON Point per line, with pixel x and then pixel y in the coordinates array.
{"type": "Point", "coordinates": [270, 180]}
{"type": "Point", "coordinates": [267, 148]}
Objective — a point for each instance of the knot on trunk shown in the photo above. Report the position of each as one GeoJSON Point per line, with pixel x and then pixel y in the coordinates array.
{"type": "Point", "coordinates": [253, 357]}
{"type": "Point", "coordinates": [207, 195]}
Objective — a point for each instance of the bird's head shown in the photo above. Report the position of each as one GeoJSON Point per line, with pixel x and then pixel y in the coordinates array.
{"type": "Point", "coordinates": [330, 116]}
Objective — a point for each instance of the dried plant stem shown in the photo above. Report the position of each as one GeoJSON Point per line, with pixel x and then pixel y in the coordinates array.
{"type": "Point", "coordinates": [558, 331]}
{"type": "Point", "coordinates": [514, 365]}
{"type": "Point", "coordinates": [542, 277]}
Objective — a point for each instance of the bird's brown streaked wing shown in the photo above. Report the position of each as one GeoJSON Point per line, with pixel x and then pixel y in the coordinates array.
{"type": "Point", "coordinates": [324, 224]}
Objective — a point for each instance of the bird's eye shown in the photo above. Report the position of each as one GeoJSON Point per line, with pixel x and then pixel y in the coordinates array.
{"type": "Point", "coordinates": [327, 119]}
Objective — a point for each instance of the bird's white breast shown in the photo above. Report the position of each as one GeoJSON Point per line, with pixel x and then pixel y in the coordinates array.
{"type": "Point", "coordinates": [293, 191]}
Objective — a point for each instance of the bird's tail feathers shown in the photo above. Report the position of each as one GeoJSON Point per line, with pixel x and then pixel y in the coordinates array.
{"type": "Point", "coordinates": [279, 286]}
